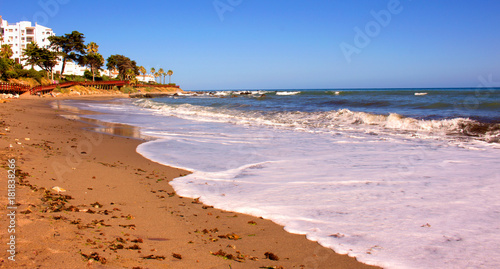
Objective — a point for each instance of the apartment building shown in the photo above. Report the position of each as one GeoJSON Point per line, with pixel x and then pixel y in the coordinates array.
{"type": "Point", "coordinates": [145, 78]}
{"type": "Point", "coordinates": [19, 34]}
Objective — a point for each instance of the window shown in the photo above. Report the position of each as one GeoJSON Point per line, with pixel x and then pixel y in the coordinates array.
{"type": "Point", "coordinates": [10, 30]}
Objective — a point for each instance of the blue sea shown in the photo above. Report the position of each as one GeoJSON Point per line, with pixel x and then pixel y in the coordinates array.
{"type": "Point", "coordinates": [400, 178]}
{"type": "Point", "coordinates": [482, 104]}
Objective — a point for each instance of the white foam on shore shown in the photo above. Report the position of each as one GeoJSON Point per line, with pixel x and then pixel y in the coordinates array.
{"type": "Point", "coordinates": [393, 203]}
{"type": "Point", "coordinates": [386, 200]}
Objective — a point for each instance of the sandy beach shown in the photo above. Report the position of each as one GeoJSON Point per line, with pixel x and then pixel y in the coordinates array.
{"type": "Point", "coordinates": [115, 209]}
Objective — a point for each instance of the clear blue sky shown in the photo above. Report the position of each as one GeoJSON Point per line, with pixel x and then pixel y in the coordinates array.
{"type": "Point", "coordinates": [282, 44]}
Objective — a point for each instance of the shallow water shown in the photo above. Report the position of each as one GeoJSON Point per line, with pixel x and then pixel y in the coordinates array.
{"type": "Point", "coordinates": [395, 197]}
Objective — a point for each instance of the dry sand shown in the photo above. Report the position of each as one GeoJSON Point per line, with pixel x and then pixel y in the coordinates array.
{"type": "Point", "coordinates": [118, 210]}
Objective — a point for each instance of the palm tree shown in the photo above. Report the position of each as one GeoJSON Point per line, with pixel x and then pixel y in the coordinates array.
{"type": "Point", "coordinates": [169, 73]}
{"type": "Point", "coordinates": [143, 72]}
{"type": "Point", "coordinates": [92, 47]}
{"type": "Point", "coordinates": [157, 74]}
{"type": "Point", "coordinates": [153, 71]}
{"type": "Point", "coordinates": [160, 73]}
{"type": "Point", "coordinates": [92, 59]}
{"type": "Point", "coordinates": [129, 74]}
{"type": "Point", "coordinates": [6, 51]}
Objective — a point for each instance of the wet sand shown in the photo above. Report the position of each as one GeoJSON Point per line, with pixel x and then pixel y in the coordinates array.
{"type": "Point", "coordinates": [118, 210]}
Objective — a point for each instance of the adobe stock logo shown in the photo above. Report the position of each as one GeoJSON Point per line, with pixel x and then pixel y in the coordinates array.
{"type": "Point", "coordinates": [49, 9]}
{"type": "Point", "coordinates": [363, 37]}
{"type": "Point", "coordinates": [223, 6]}
{"type": "Point", "coordinates": [484, 89]}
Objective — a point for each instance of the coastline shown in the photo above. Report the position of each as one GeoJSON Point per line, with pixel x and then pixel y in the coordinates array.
{"type": "Point", "coordinates": [158, 228]}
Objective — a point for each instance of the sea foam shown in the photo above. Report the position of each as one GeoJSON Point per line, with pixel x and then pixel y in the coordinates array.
{"type": "Point", "coordinates": [392, 200]}
{"type": "Point", "coordinates": [332, 121]}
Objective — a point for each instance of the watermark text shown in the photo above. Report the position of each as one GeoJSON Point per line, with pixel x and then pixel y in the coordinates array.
{"type": "Point", "coordinates": [363, 37]}
{"type": "Point", "coordinates": [11, 209]}
{"type": "Point", "coordinates": [223, 6]}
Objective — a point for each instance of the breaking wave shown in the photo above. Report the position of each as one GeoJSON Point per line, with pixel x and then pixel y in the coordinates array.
{"type": "Point", "coordinates": [334, 121]}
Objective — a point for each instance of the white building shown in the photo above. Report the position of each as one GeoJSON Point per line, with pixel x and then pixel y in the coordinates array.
{"type": "Point", "coordinates": [145, 78]}
{"type": "Point", "coordinates": [20, 34]}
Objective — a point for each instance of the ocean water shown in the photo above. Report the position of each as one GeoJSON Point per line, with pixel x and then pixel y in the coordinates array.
{"type": "Point", "coordinates": [400, 178]}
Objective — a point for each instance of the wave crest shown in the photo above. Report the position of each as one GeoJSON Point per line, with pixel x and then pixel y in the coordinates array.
{"type": "Point", "coordinates": [333, 121]}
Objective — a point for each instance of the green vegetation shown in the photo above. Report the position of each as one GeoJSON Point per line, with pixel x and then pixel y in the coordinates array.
{"type": "Point", "coordinates": [170, 73]}
{"type": "Point", "coordinates": [160, 73]}
{"type": "Point", "coordinates": [6, 51]}
{"type": "Point", "coordinates": [10, 70]}
{"type": "Point", "coordinates": [128, 89]}
{"type": "Point", "coordinates": [142, 70]}
{"type": "Point", "coordinates": [41, 57]}
{"type": "Point", "coordinates": [127, 68]}
{"type": "Point", "coordinates": [93, 59]}
{"type": "Point", "coordinates": [71, 47]}
{"type": "Point", "coordinates": [153, 71]}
